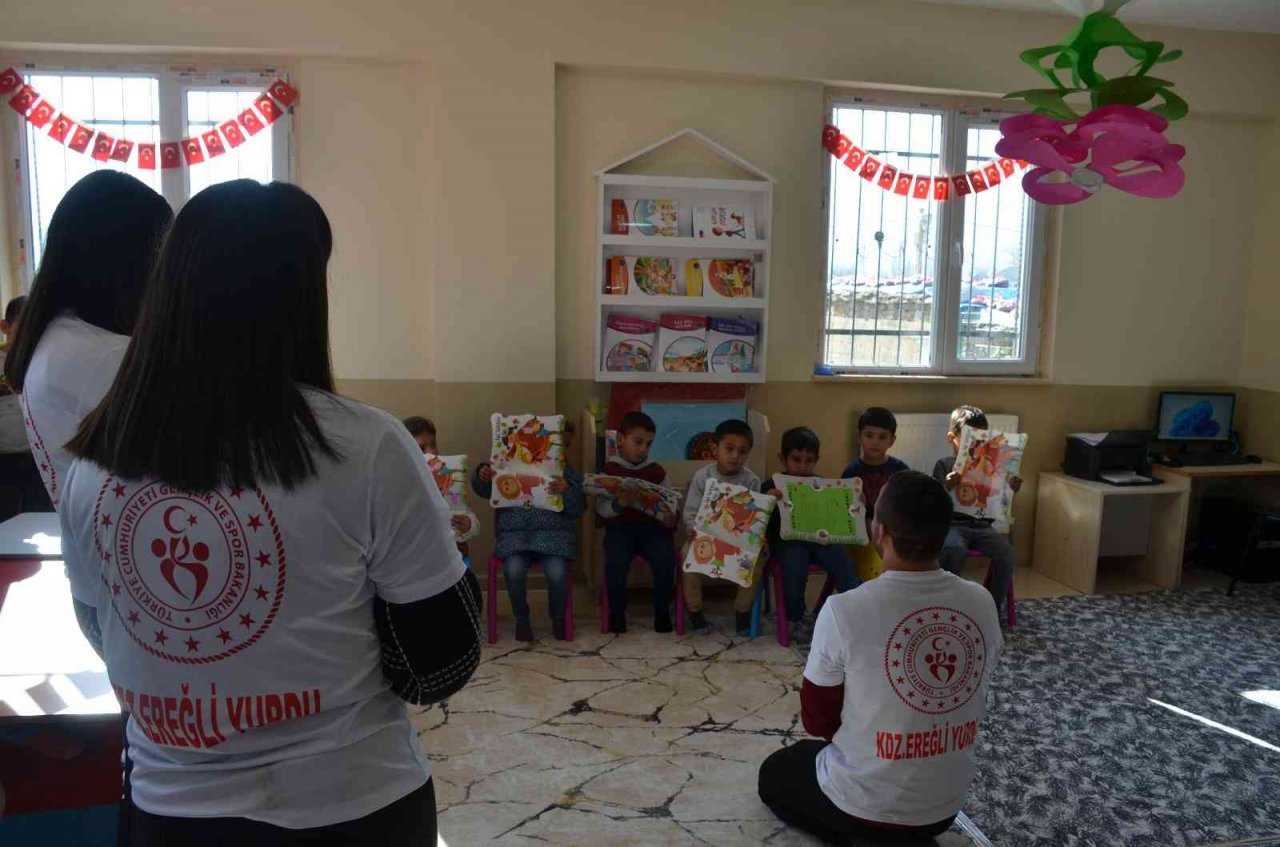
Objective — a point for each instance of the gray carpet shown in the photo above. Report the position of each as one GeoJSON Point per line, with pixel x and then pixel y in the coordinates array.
{"type": "Point", "coordinates": [1074, 752]}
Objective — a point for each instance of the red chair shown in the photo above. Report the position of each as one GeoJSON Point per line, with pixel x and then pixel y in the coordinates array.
{"type": "Point", "coordinates": [679, 621]}
{"type": "Point", "coordinates": [495, 565]}
{"type": "Point", "coordinates": [1010, 606]}
{"type": "Point", "coordinates": [773, 570]}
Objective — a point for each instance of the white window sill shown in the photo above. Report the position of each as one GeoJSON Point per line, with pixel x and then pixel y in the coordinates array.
{"type": "Point", "coordinates": [956, 379]}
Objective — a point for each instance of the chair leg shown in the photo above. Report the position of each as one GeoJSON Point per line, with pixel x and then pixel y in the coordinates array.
{"type": "Point", "coordinates": [604, 609]}
{"type": "Point", "coordinates": [493, 600]}
{"type": "Point", "coordinates": [568, 607]}
{"type": "Point", "coordinates": [1011, 607]}
{"type": "Point", "coordinates": [757, 603]}
{"type": "Point", "coordinates": [679, 600]}
{"type": "Point", "coordinates": [784, 636]}
{"type": "Point", "coordinates": [828, 588]}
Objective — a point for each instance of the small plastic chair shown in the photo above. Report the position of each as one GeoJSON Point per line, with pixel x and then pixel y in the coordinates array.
{"type": "Point", "coordinates": [773, 570]}
{"type": "Point", "coordinates": [495, 565]}
{"type": "Point", "coordinates": [679, 578]}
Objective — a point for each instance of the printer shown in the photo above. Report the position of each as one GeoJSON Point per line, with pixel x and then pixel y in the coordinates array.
{"type": "Point", "coordinates": [1118, 457]}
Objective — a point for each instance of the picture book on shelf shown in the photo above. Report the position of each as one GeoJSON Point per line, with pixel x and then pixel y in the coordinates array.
{"type": "Point", "coordinates": [632, 493]}
{"type": "Point", "coordinates": [820, 510]}
{"type": "Point", "coordinates": [985, 461]}
{"type": "Point", "coordinates": [628, 344]}
{"type": "Point", "coordinates": [682, 343]}
{"type": "Point", "coordinates": [731, 345]}
{"type": "Point", "coordinates": [728, 532]}
{"type": "Point", "coordinates": [656, 218]}
{"type": "Point", "coordinates": [724, 223]}
{"type": "Point", "coordinates": [528, 453]}
{"type": "Point", "coordinates": [450, 474]}
{"type": "Point", "coordinates": [720, 279]}
{"type": "Point", "coordinates": [656, 276]}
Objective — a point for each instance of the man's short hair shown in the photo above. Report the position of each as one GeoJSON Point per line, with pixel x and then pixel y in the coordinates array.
{"type": "Point", "coordinates": [915, 510]}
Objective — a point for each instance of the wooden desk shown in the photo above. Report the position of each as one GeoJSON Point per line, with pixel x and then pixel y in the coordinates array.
{"type": "Point", "coordinates": [1257, 485]}
{"type": "Point", "coordinates": [1078, 521]}
{"type": "Point", "coordinates": [1246, 471]}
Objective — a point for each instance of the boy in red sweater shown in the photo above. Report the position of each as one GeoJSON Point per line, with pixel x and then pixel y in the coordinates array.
{"type": "Point", "coordinates": [630, 533]}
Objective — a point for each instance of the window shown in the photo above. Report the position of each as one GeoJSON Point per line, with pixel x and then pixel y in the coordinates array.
{"type": "Point", "coordinates": [142, 106]}
{"type": "Point", "coordinates": [918, 286]}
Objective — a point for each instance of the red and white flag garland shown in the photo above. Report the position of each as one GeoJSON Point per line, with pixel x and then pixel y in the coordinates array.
{"type": "Point", "coordinates": [267, 108]}
{"type": "Point", "coordinates": [913, 185]}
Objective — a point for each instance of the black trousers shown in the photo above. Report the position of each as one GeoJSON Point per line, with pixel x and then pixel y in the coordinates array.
{"type": "Point", "coordinates": [789, 786]}
{"type": "Point", "coordinates": [411, 820]}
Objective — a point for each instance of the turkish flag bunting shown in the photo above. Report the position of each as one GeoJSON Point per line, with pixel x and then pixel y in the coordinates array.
{"type": "Point", "coordinates": [24, 100]}
{"type": "Point", "coordinates": [941, 188]}
{"type": "Point", "coordinates": [921, 190]}
{"type": "Point", "coordinates": [1023, 164]}
{"type": "Point", "coordinates": [191, 150]}
{"type": "Point", "coordinates": [122, 151]}
{"type": "Point", "coordinates": [42, 114]}
{"type": "Point", "coordinates": [213, 143]}
{"type": "Point", "coordinates": [270, 111]}
{"type": "Point", "coordinates": [835, 142]}
{"type": "Point", "coordinates": [284, 92]}
{"type": "Point", "coordinates": [903, 185]}
{"type": "Point", "coordinates": [170, 154]}
{"type": "Point", "coordinates": [250, 121]}
{"type": "Point", "coordinates": [102, 147]}
{"type": "Point", "coordinates": [80, 138]}
{"type": "Point", "coordinates": [147, 157]}
{"type": "Point", "coordinates": [869, 168]}
{"type": "Point", "coordinates": [854, 160]}
{"type": "Point", "coordinates": [978, 180]}
{"type": "Point", "coordinates": [1007, 166]}
{"type": "Point", "coordinates": [61, 128]}
{"type": "Point", "coordinates": [888, 177]}
{"type": "Point", "coordinates": [233, 133]}
{"type": "Point", "coordinates": [961, 184]}
{"type": "Point", "coordinates": [992, 173]}
{"type": "Point", "coordinates": [9, 80]}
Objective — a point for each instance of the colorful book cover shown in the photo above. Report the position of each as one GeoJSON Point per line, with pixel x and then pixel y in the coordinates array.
{"type": "Point", "coordinates": [657, 276]}
{"type": "Point", "coordinates": [631, 493]}
{"type": "Point", "coordinates": [724, 223]}
{"type": "Point", "coordinates": [720, 279]}
{"type": "Point", "coordinates": [450, 474]}
{"type": "Point", "coordinates": [731, 345]}
{"type": "Point", "coordinates": [728, 532]}
{"type": "Point", "coordinates": [985, 461]}
{"type": "Point", "coordinates": [682, 344]}
{"type": "Point", "coordinates": [656, 218]}
{"type": "Point", "coordinates": [528, 452]}
{"type": "Point", "coordinates": [628, 344]}
{"type": "Point", "coordinates": [824, 511]}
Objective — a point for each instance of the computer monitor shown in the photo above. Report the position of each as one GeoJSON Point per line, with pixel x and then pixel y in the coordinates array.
{"type": "Point", "coordinates": [1186, 416]}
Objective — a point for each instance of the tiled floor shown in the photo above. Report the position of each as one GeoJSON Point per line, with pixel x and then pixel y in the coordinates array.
{"type": "Point", "coordinates": [639, 739]}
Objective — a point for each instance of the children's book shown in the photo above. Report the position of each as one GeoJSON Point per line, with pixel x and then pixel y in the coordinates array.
{"type": "Point", "coordinates": [824, 511]}
{"type": "Point", "coordinates": [728, 532]}
{"type": "Point", "coordinates": [656, 217]}
{"type": "Point", "coordinates": [528, 453]}
{"type": "Point", "coordinates": [724, 223]}
{"type": "Point", "coordinates": [628, 343]}
{"type": "Point", "coordinates": [682, 344]}
{"type": "Point", "coordinates": [450, 474]}
{"type": "Point", "coordinates": [631, 493]}
{"type": "Point", "coordinates": [656, 276]}
{"type": "Point", "coordinates": [985, 461]}
{"type": "Point", "coordinates": [720, 279]}
{"type": "Point", "coordinates": [731, 345]}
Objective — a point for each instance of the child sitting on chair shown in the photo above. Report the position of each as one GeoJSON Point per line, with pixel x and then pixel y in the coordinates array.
{"type": "Point", "coordinates": [968, 532]}
{"type": "Point", "coordinates": [629, 532]}
{"type": "Point", "coordinates": [525, 536]}
{"type": "Point", "coordinates": [733, 442]}
{"type": "Point", "coordinates": [424, 434]}
{"type": "Point", "coordinates": [877, 432]}
{"type": "Point", "coordinates": [800, 448]}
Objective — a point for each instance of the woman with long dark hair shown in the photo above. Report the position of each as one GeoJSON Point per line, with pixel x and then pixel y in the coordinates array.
{"type": "Point", "coordinates": [264, 565]}
{"type": "Point", "coordinates": [98, 254]}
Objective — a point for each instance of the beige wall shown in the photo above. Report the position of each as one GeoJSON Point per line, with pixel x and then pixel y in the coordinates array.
{"type": "Point", "coordinates": [1260, 362]}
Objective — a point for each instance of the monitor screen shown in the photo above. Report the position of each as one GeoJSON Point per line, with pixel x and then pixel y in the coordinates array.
{"type": "Point", "coordinates": [1195, 417]}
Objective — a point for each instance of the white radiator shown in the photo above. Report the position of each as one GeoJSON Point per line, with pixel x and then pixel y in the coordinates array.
{"type": "Point", "coordinates": [922, 437]}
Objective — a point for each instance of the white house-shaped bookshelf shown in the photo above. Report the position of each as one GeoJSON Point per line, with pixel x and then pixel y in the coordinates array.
{"type": "Point", "coordinates": [717, 270]}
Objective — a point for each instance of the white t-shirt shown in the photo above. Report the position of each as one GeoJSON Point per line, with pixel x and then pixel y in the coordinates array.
{"type": "Point", "coordinates": [914, 651]}
{"type": "Point", "coordinates": [238, 626]}
{"type": "Point", "coordinates": [69, 374]}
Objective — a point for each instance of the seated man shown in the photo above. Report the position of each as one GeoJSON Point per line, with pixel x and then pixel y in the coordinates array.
{"type": "Point", "coordinates": [897, 682]}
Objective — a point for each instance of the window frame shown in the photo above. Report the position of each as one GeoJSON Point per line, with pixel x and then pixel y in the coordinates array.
{"type": "Point", "coordinates": [957, 119]}
{"type": "Point", "coordinates": [173, 83]}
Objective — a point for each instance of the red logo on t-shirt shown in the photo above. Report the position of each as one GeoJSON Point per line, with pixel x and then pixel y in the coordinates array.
{"type": "Point", "coordinates": [934, 659]}
{"type": "Point", "coordinates": [39, 452]}
{"type": "Point", "coordinates": [194, 578]}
